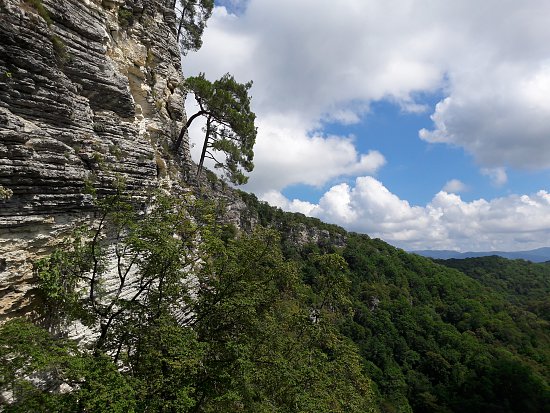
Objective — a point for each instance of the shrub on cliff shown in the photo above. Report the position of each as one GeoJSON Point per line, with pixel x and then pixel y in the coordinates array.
{"type": "Point", "coordinates": [184, 317]}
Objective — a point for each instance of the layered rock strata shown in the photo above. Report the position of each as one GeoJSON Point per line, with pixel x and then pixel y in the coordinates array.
{"type": "Point", "coordinates": [89, 97]}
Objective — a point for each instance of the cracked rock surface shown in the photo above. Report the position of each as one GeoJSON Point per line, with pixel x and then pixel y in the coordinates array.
{"type": "Point", "coordinates": [88, 96]}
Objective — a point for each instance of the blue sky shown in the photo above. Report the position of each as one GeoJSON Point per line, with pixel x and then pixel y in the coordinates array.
{"type": "Point", "coordinates": [422, 122]}
{"type": "Point", "coordinates": [416, 170]}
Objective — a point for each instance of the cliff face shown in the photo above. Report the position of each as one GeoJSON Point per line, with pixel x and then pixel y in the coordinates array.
{"type": "Point", "coordinates": [88, 96]}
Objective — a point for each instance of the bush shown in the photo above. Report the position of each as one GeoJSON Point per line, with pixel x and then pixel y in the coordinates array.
{"type": "Point", "coordinates": [40, 9]}
{"type": "Point", "coordinates": [60, 49]}
{"type": "Point", "coordinates": [125, 17]}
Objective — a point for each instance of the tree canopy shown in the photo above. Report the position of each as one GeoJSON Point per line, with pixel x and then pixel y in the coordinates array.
{"type": "Point", "coordinates": [230, 130]}
{"type": "Point", "coordinates": [431, 338]}
{"type": "Point", "coordinates": [187, 315]}
{"type": "Point", "coordinates": [191, 22]}
{"type": "Point", "coordinates": [181, 319]}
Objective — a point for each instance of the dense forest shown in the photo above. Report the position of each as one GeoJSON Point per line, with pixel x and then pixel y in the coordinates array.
{"type": "Point", "coordinates": [182, 312]}
{"type": "Point", "coordinates": [524, 283]}
{"type": "Point", "coordinates": [434, 339]}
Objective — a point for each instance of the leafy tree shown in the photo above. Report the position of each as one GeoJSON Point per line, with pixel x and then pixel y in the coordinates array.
{"type": "Point", "coordinates": [42, 373]}
{"type": "Point", "coordinates": [431, 338]}
{"type": "Point", "coordinates": [230, 128]}
{"type": "Point", "coordinates": [192, 22]}
{"type": "Point", "coordinates": [264, 347]}
{"type": "Point", "coordinates": [331, 286]}
{"type": "Point", "coordinates": [227, 322]}
{"type": "Point", "coordinates": [76, 282]}
{"type": "Point", "coordinates": [183, 320]}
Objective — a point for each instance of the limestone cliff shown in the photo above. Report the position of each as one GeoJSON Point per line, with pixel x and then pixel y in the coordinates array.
{"type": "Point", "coordinates": [88, 95]}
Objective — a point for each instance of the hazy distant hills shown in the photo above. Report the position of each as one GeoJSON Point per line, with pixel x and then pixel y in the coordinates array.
{"type": "Point", "coordinates": [536, 255]}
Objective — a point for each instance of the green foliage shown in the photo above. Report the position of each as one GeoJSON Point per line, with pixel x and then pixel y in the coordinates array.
{"type": "Point", "coordinates": [330, 284]}
{"type": "Point", "coordinates": [99, 127]}
{"type": "Point", "coordinates": [431, 338]}
{"type": "Point", "coordinates": [230, 128]}
{"type": "Point", "coordinates": [60, 50]}
{"type": "Point", "coordinates": [125, 17]}
{"type": "Point", "coordinates": [57, 278]}
{"type": "Point", "coordinates": [166, 362]}
{"type": "Point", "coordinates": [270, 354]}
{"type": "Point", "coordinates": [524, 283]}
{"type": "Point", "coordinates": [285, 222]}
{"type": "Point", "coordinates": [192, 22]}
{"type": "Point", "coordinates": [35, 365]}
{"type": "Point", "coordinates": [5, 193]}
{"type": "Point", "coordinates": [436, 340]}
{"type": "Point", "coordinates": [189, 316]}
{"type": "Point", "coordinates": [40, 9]}
{"type": "Point", "coordinates": [198, 317]}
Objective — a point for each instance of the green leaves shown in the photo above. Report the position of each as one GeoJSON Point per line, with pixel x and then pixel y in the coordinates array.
{"type": "Point", "coordinates": [58, 277]}
{"type": "Point", "coordinates": [436, 340]}
{"type": "Point", "coordinates": [230, 128]}
{"type": "Point", "coordinates": [219, 320]}
{"type": "Point", "coordinates": [264, 348]}
{"type": "Point", "coordinates": [192, 22]}
{"type": "Point", "coordinates": [166, 360]}
{"type": "Point", "coordinates": [187, 315]}
{"type": "Point", "coordinates": [42, 373]}
{"type": "Point", "coordinates": [331, 284]}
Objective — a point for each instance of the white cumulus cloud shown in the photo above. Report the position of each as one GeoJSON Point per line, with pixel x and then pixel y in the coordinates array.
{"type": "Point", "coordinates": [455, 186]}
{"type": "Point", "coordinates": [287, 154]}
{"type": "Point", "coordinates": [499, 114]}
{"type": "Point", "coordinates": [315, 62]}
{"type": "Point", "coordinates": [322, 61]}
{"type": "Point", "coordinates": [497, 176]}
{"type": "Point", "coordinates": [275, 198]}
{"type": "Point", "coordinates": [446, 222]}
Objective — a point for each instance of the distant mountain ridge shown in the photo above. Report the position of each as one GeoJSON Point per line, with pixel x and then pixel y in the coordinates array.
{"type": "Point", "coordinates": [536, 255]}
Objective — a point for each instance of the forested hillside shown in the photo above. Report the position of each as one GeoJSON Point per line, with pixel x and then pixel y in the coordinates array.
{"type": "Point", "coordinates": [431, 338]}
{"type": "Point", "coordinates": [441, 340]}
{"type": "Point", "coordinates": [177, 312]}
{"type": "Point", "coordinates": [297, 316]}
{"type": "Point", "coordinates": [524, 283]}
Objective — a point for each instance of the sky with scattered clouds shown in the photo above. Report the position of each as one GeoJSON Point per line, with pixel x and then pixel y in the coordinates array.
{"type": "Point", "coordinates": [422, 122]}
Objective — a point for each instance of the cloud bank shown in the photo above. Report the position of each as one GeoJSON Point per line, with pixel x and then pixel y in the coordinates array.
{"type": "Point", "coordinates": [447, 222]}
{"type": "Point", "coordinates": [315, 62]}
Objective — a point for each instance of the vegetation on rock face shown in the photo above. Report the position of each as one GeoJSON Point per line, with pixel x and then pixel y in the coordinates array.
{"type": "Point", "coordinates": [60, 50]}
{"type": "Point", "coordinates": [192, 18]}
{"type": "Point", "coordinates": [188, 316]}
{"type": "Point", "coordinates": [183, 320]}
{"type": "Point", "coordinates": [40, 9]}
{"type": "Point", "coordinates": [125, 17]}
{"type": "Point", "coordinates": [230, 128]}
{"type": "Point", "coordinates": [284, 222]}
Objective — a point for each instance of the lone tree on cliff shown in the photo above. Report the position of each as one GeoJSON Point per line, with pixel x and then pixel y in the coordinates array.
{"type": "Point", "coordinates": [229, 126]}
{"type": "Point", "coordinates": [191, 22]}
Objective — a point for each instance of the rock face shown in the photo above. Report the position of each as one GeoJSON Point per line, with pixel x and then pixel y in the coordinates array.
{"type": "Point", "coordinates": [88, 97]}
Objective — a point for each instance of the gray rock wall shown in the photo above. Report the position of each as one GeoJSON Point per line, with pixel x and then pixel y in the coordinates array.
{"type": "Point", "coordinates": [88, 96]}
